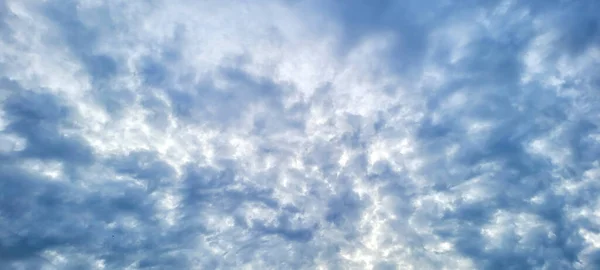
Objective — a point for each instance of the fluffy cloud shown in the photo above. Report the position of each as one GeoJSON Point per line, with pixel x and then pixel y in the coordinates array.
{"type": "Point", "coordinates": [299, 134]}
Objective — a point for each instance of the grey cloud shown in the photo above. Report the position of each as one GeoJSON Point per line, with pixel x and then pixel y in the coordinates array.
{"type": "Point", "coordinates": [145, 166]}
{"type": "Point", "coordinates": [38, 118]}
{"type": "Point", "coordinates": [494, 93]}
{"type": "Point", "coordinates": [81, 39]}
{"type": "Point", "coordinates": [488, 173]}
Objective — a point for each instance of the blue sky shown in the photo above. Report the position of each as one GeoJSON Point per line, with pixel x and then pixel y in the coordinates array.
{"type": "Point", "coordinates": [300, 134]}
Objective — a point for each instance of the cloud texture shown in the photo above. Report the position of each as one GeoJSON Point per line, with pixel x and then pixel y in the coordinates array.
{"type": "Point", "coordinates": [299, 134]}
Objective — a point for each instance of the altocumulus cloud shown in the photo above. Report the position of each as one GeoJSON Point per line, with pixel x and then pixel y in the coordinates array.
{"type": "Point", "coordinates": [299, 134]}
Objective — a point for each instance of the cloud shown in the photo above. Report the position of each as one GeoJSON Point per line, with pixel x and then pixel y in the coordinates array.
{"type": "Point", "coordinates": [299, 135]}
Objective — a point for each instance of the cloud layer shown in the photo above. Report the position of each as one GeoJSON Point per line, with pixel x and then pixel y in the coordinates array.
{"type": "Point", "coordinates": [299, 134]}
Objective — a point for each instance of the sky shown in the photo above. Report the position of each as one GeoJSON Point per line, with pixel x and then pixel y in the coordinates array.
{"type": "Point", "coordinates": [299, 134]}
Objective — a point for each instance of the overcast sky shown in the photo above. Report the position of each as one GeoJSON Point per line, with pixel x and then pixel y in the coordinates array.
{"type": "Point", "coordinates": [300, 134]}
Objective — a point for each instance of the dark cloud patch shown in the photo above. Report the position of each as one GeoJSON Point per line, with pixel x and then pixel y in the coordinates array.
{"type": "Point", "coordinates": [41, 215]}
{"type": "Point", "coordinates": [207, 188]}
{"type": "Point", "coordinates": [29, 204]}
{"type": "Point", "coordinates": [205, 102]}
{"type": "Point", "coordinates": [38, 117]}
{"type": "Point", "coordinates": [81, 39]}
{"type": "Point", "coordinates": [579, 27]}
{"type": "Point", "coordinates": [145, 166]}
{"type": "Point", "coordinates": [385, 266]}
{"type": "Point", "coordinates": [492, 62]}
{"type": "Point", "coordinates": [153, 72]}
{"type": "Point", "coordinates": [114, 100]}
{"type": "Point", "coordinates": [8, 85]}
{"type": "Point", "coordinates": [158, 110]}
{"type": "Point", "coordinates": [297, 235]}
{"type": "Point", "coordinates": [6, 32]}
{"type": "Point", "coordinates": [360, 19]}
{"type": "Point", "coordinates": [346, 208]}
{"type": "Point", "coordinates": [325, 156]}
{"type": "Point", "coordinates": [410, 22]}
{"type": "Point", "coordinates": [174, 260]}
{"type": "Point", "coordinates": [256, 88]}
{"type": "Point", "coordinates": [205, 178]}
